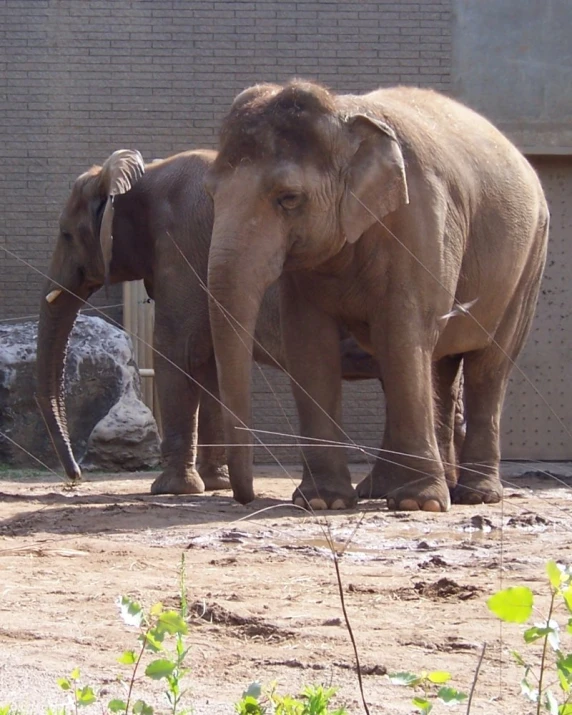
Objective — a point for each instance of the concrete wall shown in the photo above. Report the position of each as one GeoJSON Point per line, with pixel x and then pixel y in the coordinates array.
{"type": "Point", "coordinates": [512, 60]}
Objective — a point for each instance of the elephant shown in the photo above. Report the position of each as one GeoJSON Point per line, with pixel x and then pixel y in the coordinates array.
{"type": "Point", "coordinates": [128, 221]}
{"type": "Point", "coordinates": [412, 220]}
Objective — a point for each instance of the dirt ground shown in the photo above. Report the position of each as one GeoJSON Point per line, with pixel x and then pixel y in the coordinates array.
{"type": "Point", "coordinates": [262, 582]}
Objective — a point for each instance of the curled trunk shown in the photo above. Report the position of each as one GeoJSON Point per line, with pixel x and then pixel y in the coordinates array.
{"type": "Point", "coordinates": [55, 325]}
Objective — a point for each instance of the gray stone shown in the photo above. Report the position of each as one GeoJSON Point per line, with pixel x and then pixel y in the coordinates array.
{"type": "Point", "coordinates": [110, 427]}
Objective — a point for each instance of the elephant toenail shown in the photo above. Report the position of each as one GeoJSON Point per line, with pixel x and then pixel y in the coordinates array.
{"type": "Point", "coordinates": [339, 504]}
{"type": "Point", "coordinates": [408, 505]}
{"type": "Point", "coordinates": [318, 504]}
{"type": "Point", "coordinates": [300, 502]}
{"type": "Point", "coordinates": [431, 505]}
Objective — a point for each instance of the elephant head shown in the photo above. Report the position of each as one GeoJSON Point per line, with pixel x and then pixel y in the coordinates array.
{"type": "Point", "coordinates": [80, 265]}
{"type": "Point", "coordinates": [299, 175]}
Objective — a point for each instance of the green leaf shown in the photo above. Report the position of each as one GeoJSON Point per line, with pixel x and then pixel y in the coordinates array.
{"type": "Point", "coordinates": [439, 676]}
{"type": "Point", "coordinates": [409, 679]}
{"type": "Point", "coordinates": [74, 675]}
{"type": "Point", "coordinates": [128, 657]}
{"type": "Point", "coordinates": [554, 574]}
{"type": "Point", "coordinates": [423, 705]}
{"type": "Point", "coordinates": [450, 696]}
{"type": "Point", "coordinates": [153, 640]}
{"type": "Point", "coordinates": [117, 706]}
{"type": "Point", "coordinates": [528, 691]}
{"type": "Point", "coordinates": [534, 633]}
{"type": "Point", "coordinates": [140, 707]}
{"type": "Point", "coordinates": [565, 709]}
{"type": "Point", "coordinates": [518, 658]}
{"type": "Point", "coordinates": [249, 706]}
{"type": "Point", "coordinates": [254, 690]}
{"type": "Point", "coordinates": [513, 605]}
{"type": "Point", "coordinates": [160, 668]}
{"type": "Point", "coordinates": [85, 696]}
{"type": "Point", "coordinates": [567, 595]}
{"type": "Point", "coordinates": [131, 612]}
{"type": "Point", "coordinates": [549, 630]}
{"type": "Point", "coordinates": [156, 609]}
{"type": "Point", "coordinates": [564, 671]}
{"type": "Point", "coordinates": [550, 703]}
{"type": "Point", "coordinates": [172, 622]}
{"type": "Point", "coordinates": [64, 683]}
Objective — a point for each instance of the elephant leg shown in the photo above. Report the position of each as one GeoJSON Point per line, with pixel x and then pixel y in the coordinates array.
{"type": "Point", "coordinates": [409, 471]}
{"type": "Point", "coordinates": [212, 452]}
{"type": "Point", "coordinates": [485, 380]}
{"type": "Point", "coordinates": [485, 375]}
{"type": "Point", "coordinates": [313, 358]}
{"type": "Point", "coordinates": [179, 404]}
{"type": "Point", "coordinates": [447, 401]}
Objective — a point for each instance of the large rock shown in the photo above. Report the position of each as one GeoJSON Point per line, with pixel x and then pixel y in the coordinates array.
{"type": "Point", "coordinates": [109, 424]}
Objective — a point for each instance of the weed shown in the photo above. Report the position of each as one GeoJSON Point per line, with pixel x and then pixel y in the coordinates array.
{"type": "Point", "coordinates": [313, 700]}
{"type": "Point", "coordinates": [515, 605]}
{"type": "Point", "coordinates": [428, 684]}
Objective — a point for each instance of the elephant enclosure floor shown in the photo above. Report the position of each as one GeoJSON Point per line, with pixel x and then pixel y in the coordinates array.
{"type": "Point", "coordinates": [262, 583]}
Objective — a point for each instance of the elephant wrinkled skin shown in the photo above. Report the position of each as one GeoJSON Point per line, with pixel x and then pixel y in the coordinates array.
{"type": "Point", "coordinates": [129, 221]}
{"type": "Point", "coordinates": [387, 212]}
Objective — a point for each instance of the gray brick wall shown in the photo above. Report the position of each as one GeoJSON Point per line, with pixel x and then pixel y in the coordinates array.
{"type": "Point", "coordinates": [79, 79]}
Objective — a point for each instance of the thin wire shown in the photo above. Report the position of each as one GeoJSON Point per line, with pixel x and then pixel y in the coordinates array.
{"type": "Point", "coordinates": [36, 315]}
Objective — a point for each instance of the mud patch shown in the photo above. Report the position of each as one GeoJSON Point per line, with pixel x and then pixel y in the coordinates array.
{"type": "Point", "coordinates": [528, 520]}
{"type": "Point", "coordinates": [251, 627]}
{"type": "Point", "coordinates": [443, 589]}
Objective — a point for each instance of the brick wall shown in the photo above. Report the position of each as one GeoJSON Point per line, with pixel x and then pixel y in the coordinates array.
{"type": "Point", "coordinates": [79, 79]}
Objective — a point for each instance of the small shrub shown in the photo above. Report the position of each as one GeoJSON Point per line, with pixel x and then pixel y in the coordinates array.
{"type": "Point", "coordinates": [515, 605]}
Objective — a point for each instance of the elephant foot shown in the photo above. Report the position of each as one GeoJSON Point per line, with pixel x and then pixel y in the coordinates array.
{"type": "Point", "coordinates": [178, 481]}
{"type": "Point", "coordinates": [214, 476]}
{"type": "Point", "coordinates": [425, 494]}
{"type": "Point", "coordinates": [472, 488]}
{"type": "Point", "coordinates": [317, 499]}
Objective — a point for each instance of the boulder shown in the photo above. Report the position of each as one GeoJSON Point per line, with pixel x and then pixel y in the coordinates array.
{"type": "Point", "coordinates": [110, 427]}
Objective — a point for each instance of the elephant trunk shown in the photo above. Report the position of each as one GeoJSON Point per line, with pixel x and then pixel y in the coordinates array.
{"type": "Point", "coordinates": [58, 312]}
{"type": "Point", "coordinates": [237, 283]}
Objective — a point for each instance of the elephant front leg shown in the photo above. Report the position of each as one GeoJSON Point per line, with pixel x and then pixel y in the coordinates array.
{"type": "Point", "coordinates": [409, 471]}
{"type": "Point", "coordinates": [178, 403]}
{"type": "Point", "coordinates": [313, 360]}
{"type": "Point", "coordinates": [212, 453]}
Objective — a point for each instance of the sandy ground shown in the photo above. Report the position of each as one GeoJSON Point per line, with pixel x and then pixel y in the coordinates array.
{"type": "Point", "coordinates": [262, 583]}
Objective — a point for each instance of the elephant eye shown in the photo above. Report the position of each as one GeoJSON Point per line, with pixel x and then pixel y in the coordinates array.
{"type": "Point", "coordinates": [68, 238]}
{"type": "Point", "coordinates": [290, 200]}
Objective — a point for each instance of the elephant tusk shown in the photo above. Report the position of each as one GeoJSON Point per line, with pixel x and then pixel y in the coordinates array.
{"type": "Point", "coordinates": [53, 294]}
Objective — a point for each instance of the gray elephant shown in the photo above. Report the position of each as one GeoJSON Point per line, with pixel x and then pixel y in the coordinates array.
{"type": "Point", "coordinates": [391, 212]}
{"type": "Point", "coordinates": [126, 221]}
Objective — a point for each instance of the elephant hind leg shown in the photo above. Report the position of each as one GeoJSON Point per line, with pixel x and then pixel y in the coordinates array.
{"type": "Point", "coordinates": [212, 452]}
{"type": "Point", "coordinates": [485, 375]}
{"type": "Point", "coordinates": [449, 419]}
{"type": "Point", "coordinates": [178, 395]}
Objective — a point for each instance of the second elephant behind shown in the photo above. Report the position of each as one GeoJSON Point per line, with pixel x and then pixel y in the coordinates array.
{"type": "Point", "coordinates": [128, 221]}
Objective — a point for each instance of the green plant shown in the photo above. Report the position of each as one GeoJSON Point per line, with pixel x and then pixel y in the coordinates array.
{"type": "Point", "coordinates": [82, 696]}
{"type": "Point", "coordinates": [515, 605]}
{"type": "Point", "coordinates": [154, 626]}
{"type": "Point", "coordinates": [313, 700]}
{"type": "Point", "coordinates": [428, 684]}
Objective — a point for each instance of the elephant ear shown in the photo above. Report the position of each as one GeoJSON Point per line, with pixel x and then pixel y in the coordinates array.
{"type": "Point", "coordinates": [120, 172]}
{"type": "Point", "coordinates": [375, 178]}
